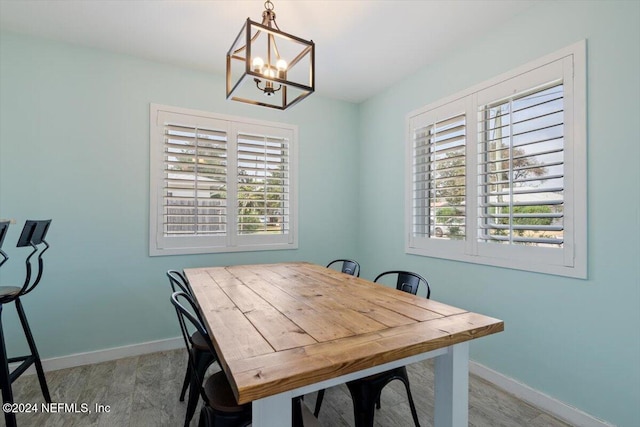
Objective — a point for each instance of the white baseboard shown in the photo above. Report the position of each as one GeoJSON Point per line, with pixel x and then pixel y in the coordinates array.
{"type": "Point", "coordinates": [106, 355]}
{"type": "Point", "coordinates": [558, 409]}
{"type": "Point", "coordinates": [573, 416]}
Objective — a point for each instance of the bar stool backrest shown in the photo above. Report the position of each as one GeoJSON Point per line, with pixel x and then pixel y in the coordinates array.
{"type": "Point", "coordinates": [4, 227]}
{"type": "Point", "coordinates": [33, 234]}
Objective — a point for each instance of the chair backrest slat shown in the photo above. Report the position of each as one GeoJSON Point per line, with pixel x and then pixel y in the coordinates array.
{"type": "Point", "coordinates": [179, 282]}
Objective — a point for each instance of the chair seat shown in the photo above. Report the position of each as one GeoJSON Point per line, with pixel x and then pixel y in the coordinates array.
{"type": "Point", "coordinates": [9, 292]}
{"type": "Point", "coordinates": [375, 377]}
{"type": "Point", "coordinates": [199, 342]}
{"type": "Point", "coordinates": [382, 378]}
{"type": "Point", "coordinates": [220, 396]}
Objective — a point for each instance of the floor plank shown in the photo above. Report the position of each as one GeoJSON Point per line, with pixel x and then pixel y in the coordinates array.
{"type": "Point", "coordinates": [143, 391]}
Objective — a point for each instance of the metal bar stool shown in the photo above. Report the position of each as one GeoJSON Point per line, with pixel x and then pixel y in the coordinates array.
{"type": "Point", "coordinates": [33, 235]}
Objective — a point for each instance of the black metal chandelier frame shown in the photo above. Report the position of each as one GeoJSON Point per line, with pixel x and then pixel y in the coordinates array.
{"type": "Point", "coordinates": [274, 80]}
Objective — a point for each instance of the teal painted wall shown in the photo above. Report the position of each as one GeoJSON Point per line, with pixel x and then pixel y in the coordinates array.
{"type": "Point", "coordinates": [575, 340]}
{"type": "Point", "coordinates": [74, 146]}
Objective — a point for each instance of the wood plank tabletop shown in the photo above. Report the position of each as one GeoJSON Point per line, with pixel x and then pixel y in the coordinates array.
{"type": "Point", "coordinates": [277, 327]}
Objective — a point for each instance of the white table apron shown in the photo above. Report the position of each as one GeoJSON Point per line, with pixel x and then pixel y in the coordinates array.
{"type": "Point", "coordinates": [451, 389]}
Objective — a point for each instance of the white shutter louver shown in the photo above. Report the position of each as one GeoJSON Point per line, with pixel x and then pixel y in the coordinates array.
{"type": "Point", "coordinates": [439, 155]}
{"type": "Point", "coordinates": [263, 184]}
{"type": "Point", "coordinates": [195, 169]}
{"type": "Point", "coordinates": [521, 169]}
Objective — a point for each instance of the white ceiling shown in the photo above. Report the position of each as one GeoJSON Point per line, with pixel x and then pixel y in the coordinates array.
{"type": "Point", "coordinates": [362, 46]}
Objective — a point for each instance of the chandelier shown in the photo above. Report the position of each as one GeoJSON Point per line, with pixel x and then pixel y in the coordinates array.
{"type": "Point", "coordinates": [268, 67]}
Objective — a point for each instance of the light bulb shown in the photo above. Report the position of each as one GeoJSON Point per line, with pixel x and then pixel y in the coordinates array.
{"type": "Point", "coordinates": [281, 65]}
{"type": "Point", "coordinates": [258, 63]}
{"type": "Point", "coordinates": [269, 72]}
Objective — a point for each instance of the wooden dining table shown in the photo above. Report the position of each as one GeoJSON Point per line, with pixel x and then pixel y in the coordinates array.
{"type": "Point", "coordinates": [287, 329]}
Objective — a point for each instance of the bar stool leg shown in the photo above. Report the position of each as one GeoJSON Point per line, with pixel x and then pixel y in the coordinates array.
{"type": "Point", "coordinates": [34, 351]}
{"type": "Point", "coordinates": [5, 379]}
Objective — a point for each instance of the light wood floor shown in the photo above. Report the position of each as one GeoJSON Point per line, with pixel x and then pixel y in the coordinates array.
{"type": "Point", "coordinates": [143, 391]}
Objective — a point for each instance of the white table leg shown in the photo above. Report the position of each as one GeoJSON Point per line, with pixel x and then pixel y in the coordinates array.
{"type": "Point", "coordinates": [452, 387]}
{"type": "Point", "coordinates": [272, 411]}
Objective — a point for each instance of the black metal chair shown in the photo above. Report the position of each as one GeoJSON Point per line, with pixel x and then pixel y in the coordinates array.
{"type": "Point", "coordinates": [202, 357]}
{"type": "Point", "coordinates": [352, 268]}
{"type": "Point", "coordinates": [365, 392]}
{"type": "Point", "coordinates": [33, 234]}
{"type": "Point", "coordinates": [349, 266]}
{"type": "Point", "coordinates": [220, 406]}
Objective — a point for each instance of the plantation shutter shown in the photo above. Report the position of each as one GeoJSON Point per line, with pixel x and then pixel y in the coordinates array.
{"type": "Point", "coordinates": [263, 181]}
{"type": "Point", "coordinates": [195, 180]}
{"type": "Point", "coordinates": [439, 162]}
{"type": "Point", "coordinates": [220, 184]}
{"type": "Point", "coordinates": [521, 169]}
{"type": "Point", "coordinates": [522, 141]}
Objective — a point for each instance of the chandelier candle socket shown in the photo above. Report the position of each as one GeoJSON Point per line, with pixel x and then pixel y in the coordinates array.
{"type": "Point", "coordinates": [268, 67]}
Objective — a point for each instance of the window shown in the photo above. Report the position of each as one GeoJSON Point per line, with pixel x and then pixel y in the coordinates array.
{"type": "Point", "coordinates": [220, 184]}
{"type": "Point", "coordinates": [496, 174]}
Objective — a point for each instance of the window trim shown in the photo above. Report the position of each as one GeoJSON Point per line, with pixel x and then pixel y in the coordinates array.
{"type": "Point", "coordinates": [574, 259]}
{"type": "Point", "coordinates": [232, 241]}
